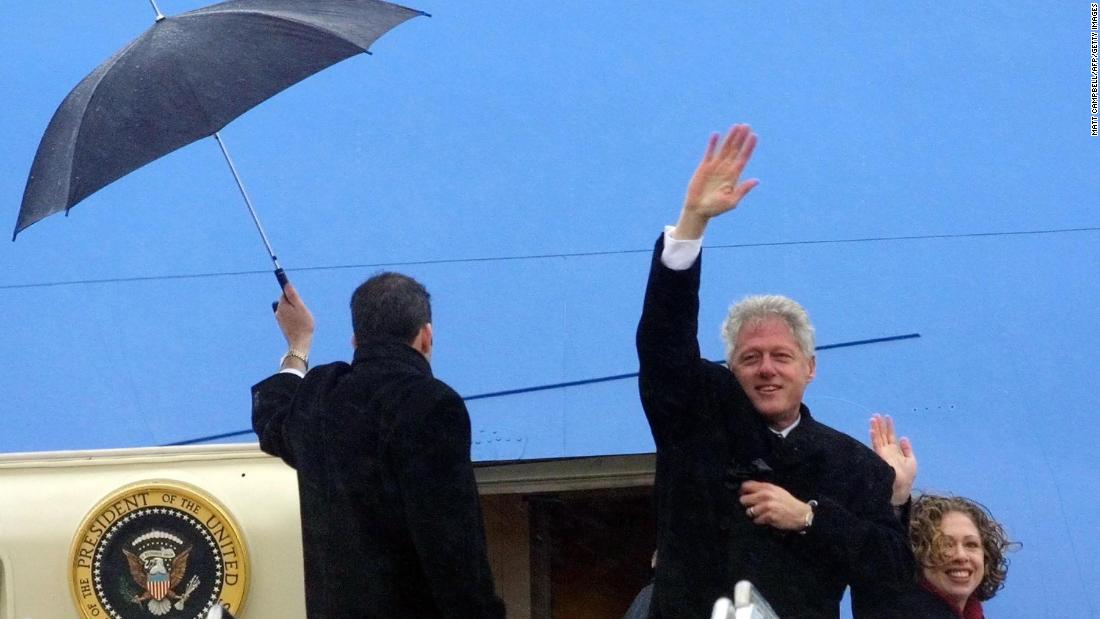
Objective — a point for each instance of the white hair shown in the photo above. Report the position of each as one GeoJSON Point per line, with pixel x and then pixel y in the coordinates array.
{"type": "Point", "coordinates": [752, 310]}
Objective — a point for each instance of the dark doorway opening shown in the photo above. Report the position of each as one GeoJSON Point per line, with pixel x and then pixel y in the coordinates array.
{"type": "Point", "coordinates": [590, 552]}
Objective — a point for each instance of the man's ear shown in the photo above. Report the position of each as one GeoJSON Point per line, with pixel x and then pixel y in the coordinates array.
{"type": "Point", "coordinates": [424, 341]}
{"type": "Point", "coordinates": [354, 341]}
{"type": "Point", "coordinates": [813, 367]}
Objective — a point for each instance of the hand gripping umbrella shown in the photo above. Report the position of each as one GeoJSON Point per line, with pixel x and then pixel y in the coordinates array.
{"type": "Point", "coordinates": [186, 78]}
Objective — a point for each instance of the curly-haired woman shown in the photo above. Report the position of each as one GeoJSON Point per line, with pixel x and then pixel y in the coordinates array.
{"type": "Point", "coordinates": [958, 545]}
{"type": "Point", "coordinates": [960, 550]}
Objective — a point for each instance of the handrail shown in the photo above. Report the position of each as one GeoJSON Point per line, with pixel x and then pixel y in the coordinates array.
{"type": "Point", "coordinates": [748, 603]}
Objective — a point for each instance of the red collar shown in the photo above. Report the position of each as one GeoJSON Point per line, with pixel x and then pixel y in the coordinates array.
{"type": "Point", "coordinates": [972, 609]}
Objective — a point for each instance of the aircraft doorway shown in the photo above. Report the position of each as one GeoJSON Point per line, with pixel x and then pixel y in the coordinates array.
{"type": "Point", "coordinates": [570, 539]}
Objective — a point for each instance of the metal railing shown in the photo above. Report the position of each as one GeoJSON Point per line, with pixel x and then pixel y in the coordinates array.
{"type": "Point", "coordinates": [747, 603]}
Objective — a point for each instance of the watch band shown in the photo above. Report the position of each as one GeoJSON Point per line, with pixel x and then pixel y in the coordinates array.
{"type": "Point", "coordinates": [304, 358]}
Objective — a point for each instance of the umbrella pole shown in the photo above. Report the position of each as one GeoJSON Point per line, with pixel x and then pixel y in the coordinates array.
{"type": "Point", "coordinates": [156, 8]}
{"type": "Point", "coordinates": [279, 273]}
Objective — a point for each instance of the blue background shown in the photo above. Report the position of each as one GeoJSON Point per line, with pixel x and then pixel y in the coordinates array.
{"type": "Point", "coordinates": [924, 169]}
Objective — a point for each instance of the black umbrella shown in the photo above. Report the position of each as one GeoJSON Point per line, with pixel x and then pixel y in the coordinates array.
{"type": "Point", "coordinates": [186, 78]}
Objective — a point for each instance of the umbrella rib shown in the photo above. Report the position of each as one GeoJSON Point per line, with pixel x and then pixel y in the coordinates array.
{"type": "Point", "coordinates": [281, 17]}
{"type": "Point", "coordinates": [197, 104]}
{"type": "Point", "coordinates": [108, 66]}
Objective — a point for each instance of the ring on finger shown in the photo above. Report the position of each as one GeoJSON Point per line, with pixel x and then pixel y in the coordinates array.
{"type": "Point", "coordinates": [750, 513]}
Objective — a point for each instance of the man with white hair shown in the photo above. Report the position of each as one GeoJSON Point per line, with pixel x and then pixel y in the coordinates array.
{"type": "Point", "coordinates": [749, 486]}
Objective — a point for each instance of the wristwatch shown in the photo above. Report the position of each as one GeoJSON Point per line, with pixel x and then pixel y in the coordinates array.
{"type": "Point", "coordinates": [304, 358]}
{"type": "Point", "coordinates": [809, 522]}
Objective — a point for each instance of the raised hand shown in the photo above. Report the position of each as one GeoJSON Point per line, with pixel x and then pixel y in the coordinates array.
{"type": "Point", "coordinates": [897, 453]}
{"type": "Point", "coordinates": [295, 320]}
{"type": "Point", "coordinates": [716, 186]}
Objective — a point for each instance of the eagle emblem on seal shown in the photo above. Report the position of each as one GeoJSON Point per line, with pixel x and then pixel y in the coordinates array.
{"type": "Point", "coordinates": [157, 550]}
{"type": "Point", "coordinates": [158, 565]}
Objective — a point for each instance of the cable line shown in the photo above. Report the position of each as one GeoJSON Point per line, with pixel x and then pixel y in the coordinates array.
{"type": "Point", "coordinates": [611, 252]}
{"type": "Point", "coordinates": [574, 383]}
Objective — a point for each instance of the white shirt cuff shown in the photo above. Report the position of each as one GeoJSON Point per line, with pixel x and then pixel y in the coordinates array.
{"type": "Point", "coordinates": [679, 255]}
{"type": "Point", "coordinates": [294, 371]}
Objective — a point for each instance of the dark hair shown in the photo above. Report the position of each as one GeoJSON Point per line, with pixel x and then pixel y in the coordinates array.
{"type": "Point", "coordinates": [389, 305]}
{"type": "Point", "coordinates": [927, 541]}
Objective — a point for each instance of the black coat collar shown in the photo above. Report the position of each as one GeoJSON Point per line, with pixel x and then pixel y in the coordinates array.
{"type": "Point", "coordinates": [804, 433]}
{"type": "Point", "coordinates": [803, 443]}
{"type": "Point", "coordinates": [391, 350]}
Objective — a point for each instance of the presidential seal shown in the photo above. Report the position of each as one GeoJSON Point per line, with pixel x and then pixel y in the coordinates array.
{"type": "Point", "coordinates": [157, 550]}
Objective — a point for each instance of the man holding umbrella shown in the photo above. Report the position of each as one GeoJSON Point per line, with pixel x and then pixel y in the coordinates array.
{"type": "Point", "coordinates": [391, 521]}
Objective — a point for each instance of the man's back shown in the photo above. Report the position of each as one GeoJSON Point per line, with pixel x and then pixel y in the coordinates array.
{"type": "Point", "coordinates": [391, 521]}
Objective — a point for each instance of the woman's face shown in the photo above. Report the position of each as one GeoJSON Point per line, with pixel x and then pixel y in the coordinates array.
{"type": "Point", "coordinates": [965, 559]}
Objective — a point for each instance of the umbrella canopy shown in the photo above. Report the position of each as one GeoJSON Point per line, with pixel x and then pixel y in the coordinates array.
{"type": "Point", "coordinates": [186, 78]}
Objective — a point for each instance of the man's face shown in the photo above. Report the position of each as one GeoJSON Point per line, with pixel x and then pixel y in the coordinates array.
{"type": "Point", "coordinates": [772, 369]}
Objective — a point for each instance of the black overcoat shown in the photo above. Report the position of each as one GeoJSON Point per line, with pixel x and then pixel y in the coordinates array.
{"type": "Point", "coordinates": [391, 522]}
{"type": "Point", "coordinates": [920, 603]}
{"type": "Point", "coordinates": [709, 438]}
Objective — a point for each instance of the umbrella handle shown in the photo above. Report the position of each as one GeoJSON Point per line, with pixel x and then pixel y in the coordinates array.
{"type": "Point", "coordinates": [280, 275]}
